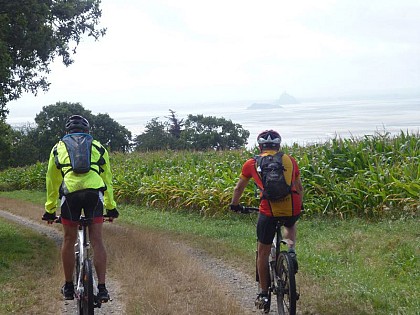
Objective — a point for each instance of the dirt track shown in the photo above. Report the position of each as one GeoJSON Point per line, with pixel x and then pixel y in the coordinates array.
{"type": "Point", "coordinates": [69, 307]}
{"type": "Point", "coordinates": [191, 271]}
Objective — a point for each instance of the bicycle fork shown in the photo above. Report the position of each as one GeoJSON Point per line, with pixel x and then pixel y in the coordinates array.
{"type": "Point", "coordinates": [80, 254]}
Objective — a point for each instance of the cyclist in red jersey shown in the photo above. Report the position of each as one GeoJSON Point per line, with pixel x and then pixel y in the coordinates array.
{"type": "Point", "coordinates": [288, 209]}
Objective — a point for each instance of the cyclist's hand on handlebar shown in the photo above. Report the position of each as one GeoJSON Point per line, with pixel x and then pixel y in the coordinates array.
{"type": "Point", "coordinates": [236, 208]}
{"type": "Point", "coordinates": [113, 213]}
{"type": "Point", "coordinates": [50, 217]}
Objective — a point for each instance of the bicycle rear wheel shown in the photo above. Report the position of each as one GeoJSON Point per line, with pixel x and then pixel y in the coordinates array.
{"type": "Point", "coordinates": [76, 275]}
{"type": "Point", "coordinates": [88, 298]}
{"type": "Point", "coordinates": [286, 292]}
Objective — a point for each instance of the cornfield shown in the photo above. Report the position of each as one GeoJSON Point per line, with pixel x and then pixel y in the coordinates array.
{"type": "Point", "coordinates": [369, 176]}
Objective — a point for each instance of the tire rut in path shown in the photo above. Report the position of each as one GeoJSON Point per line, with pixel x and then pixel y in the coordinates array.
{"type": "Point", "coordinates": [237, 284]}
{"type": "Point", "coordinates": [70, 307]}
{"type": "Point", "coordinates": [234, 283]}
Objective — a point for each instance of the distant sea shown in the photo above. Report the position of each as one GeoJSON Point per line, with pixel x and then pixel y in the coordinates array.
{"type": "Point", "coordinates": [304, 123]}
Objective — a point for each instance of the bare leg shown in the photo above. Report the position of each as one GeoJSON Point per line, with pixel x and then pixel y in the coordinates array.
{"type": "Point", "coordinates": [290, 233]}
{"type": "Point", "coordinates": [67, 251]}
{"type": "Point", "coordinates": [262, 265]}
{"type": "Point", "coordinates": [99, 252]}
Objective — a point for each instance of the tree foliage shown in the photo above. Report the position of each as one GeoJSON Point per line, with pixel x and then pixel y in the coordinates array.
{"type": "Point", "coordinates": [110, 133]}
{"type": "Point", "coordinates": [33, 33]}
{"type": "Point", "coordinates": [5, 144]}
{"type": "Point", "coordinates": [175, 124]}
{"type": "Point", "coordinates": [32, 143]}
{"type": "Point", "coordinates": [51, 124]}
{"type": "Point", "coordinates": [154, 137]}
{"type": "Point", "coordinates": [199, 133]}
{"type": "Point", "coordinates": [51, 127]}
{"type": "Point", "coordinates": [210, 132]}
{"type": "Point", "coordinates": [25, 146]}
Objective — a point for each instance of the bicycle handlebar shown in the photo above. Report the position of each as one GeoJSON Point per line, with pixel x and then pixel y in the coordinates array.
{"type": "Point", "coordinates": [107, 218]}
{"type": "Point", "coordinates": [247, 210]}
{"type": "Point", "coordinates": [56, 220]}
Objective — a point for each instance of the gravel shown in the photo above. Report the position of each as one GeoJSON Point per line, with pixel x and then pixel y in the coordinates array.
{"type": "Point", "coordinates": [240, 286]}
{"type": "Point", "coordinates": [70, 307]}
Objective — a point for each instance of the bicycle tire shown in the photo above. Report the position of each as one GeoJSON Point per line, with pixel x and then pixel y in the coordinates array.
{"type": "Point", "coordinates": [286, 292]}
{"type": "Point", "coordinates": [76, 275]}
{"type": "Point", "coordinates": [88, 297]}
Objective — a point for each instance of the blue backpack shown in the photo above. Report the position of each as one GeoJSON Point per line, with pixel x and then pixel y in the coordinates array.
{"type": "Point", "coordinates": [79, 148]}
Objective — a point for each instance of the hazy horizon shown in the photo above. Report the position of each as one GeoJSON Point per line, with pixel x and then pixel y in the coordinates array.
{"type": "Point", "coordinates": [303, 123]}
{"type": "Point", "coordinates": [20, 110]}
{"type": "Point", "coordinates": [161, 55]}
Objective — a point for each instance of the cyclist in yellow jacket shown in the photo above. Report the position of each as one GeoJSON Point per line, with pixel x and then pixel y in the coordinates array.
{"type": "Point", "coordinates": [90, 190]}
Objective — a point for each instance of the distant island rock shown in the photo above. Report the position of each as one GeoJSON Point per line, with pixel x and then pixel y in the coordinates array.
{"type": "Point", "coordinates": [284, 99]}
{"type": "Point", "coordinates": [287, 99]}
{"type": "Point", "coordinates": [263, 106]}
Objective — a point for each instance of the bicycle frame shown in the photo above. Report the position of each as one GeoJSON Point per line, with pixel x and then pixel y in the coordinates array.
{"type": "Point", "coordinates": [83, 275]}
{"type": "Point", "coordinates": [282, 281]}
{"type": "Point", "coordinates": [274, 254]}
{"type": "Point", "coordinates": [82, 248]}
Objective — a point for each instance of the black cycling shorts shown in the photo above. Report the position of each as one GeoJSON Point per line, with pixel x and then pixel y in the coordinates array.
{"type": "Point", "coordinates": [266, 226]}
{"type": "Point", "coordinates": [91, 201]}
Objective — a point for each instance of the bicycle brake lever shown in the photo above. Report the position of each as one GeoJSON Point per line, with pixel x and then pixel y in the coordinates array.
{"type": "Point", "coordinates": [108, 219]}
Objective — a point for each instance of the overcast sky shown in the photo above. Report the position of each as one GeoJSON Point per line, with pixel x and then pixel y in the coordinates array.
{"type": "Point", "coordinates": [189, 51]}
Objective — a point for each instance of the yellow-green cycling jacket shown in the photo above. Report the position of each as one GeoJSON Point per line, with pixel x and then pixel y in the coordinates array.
{"type": "Point", "coordinates": [98, 178]}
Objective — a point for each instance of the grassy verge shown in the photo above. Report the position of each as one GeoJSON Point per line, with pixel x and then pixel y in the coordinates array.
{"type": "Point", "coordinates": [349, 266]}
{"type": "Point", "coordinates": [352, 266]}
{"type": "Point", "coordinates": [27, 261]}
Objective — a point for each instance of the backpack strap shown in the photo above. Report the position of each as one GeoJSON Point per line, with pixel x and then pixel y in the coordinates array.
{"type": "Point", "coordinates": [258, 158]}
{"type": "Point", "coordinates": [99, 163]}
{"type": "Point", "coordinates": [57, 162]}
{"type": "Point", "coordinates": [280, 156]}
{"type": "Point", "coordinates": [101, 160]}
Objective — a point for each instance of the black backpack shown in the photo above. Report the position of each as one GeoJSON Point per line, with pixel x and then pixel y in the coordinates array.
{"type": "Point", "coordinates": [271, 170]}
{"type": "Point", "coordinates": [79, 148]}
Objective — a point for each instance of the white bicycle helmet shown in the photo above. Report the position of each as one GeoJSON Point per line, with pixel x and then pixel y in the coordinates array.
{"type": "Point", "coordinates": [269, 139]}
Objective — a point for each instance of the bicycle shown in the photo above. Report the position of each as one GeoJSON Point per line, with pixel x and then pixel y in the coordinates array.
{"type": "Point", "coordinates": [282, 272]}
{"type": "Point", "coordinates": [86, 288]}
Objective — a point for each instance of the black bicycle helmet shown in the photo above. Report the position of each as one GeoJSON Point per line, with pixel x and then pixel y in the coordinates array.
{"type": "Point", "coordinates": [269, 139]}
{"type": "Point", "coordinates": [77, 123]}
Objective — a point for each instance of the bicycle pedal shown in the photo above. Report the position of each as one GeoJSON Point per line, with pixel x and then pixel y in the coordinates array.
{"type": "Point", "coordinates": [96, 302]}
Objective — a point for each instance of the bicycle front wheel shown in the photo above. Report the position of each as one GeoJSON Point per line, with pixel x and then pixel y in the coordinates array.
{"type": "Point", "coordinates": [286, 292]}
{"type": "Point", "coordinates": [88, 298]}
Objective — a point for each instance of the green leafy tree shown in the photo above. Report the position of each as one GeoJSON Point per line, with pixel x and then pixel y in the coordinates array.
{"type": "Point", "coordinates": [200, 133]}
{"type": "Point", "coordinates": [5, 144]}
{"type": "Point", "coordinates": [208, 132]}
{"type": "Point", "coordinates": [33, 33]}
{"type": "Point", "coordinates": [51, 124]}
{"type": "Point", "coordinates": [175, 124]}
{"type": "Point", "coordinates": [51, 127]}
{"type": "Point", "coordinates": [25, 148]}
{"type": "Point", "coordinates": [110, 133]}
{"type": "Point", "coordinates": [155, 137]}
